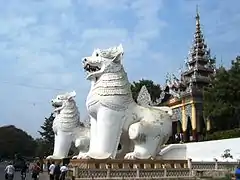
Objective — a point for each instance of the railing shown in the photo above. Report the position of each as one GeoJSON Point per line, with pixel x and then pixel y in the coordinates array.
{"type": "Point", "coordinates": [147, 169]}
{"type": "Point", "coordinates": [127, 164]}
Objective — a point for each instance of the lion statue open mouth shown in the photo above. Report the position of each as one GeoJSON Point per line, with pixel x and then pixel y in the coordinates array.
{"type": "Point", "coordinates": [101, 61]}
{"type": "Point", "coordinates": [67, 126]}
{"type": "Point", "coordinates": [58, 102]}
{"type": "Point", "coordinates": [91, 68]}
{"type": "Point", "coordinates": [113, 112]}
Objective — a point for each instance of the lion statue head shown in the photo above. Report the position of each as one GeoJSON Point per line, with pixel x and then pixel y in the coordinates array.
{"type": "Point", "coordinates": [63, 100]}
{"type": "Point", "coordinates": [103, 61]}
{"type": "Point", "coordinates": [67, 115]}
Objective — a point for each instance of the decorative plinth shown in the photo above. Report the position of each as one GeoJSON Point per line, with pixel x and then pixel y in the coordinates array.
{"type": "Point", "coordinates": [145, 169]}
{"type": "Point", "coordinates": [127, 164]}
{"type": "Point", "coordinates": [114, 168]}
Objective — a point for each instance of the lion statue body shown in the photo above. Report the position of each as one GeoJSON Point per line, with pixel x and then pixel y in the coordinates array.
{"type": "Point", "coordinates": [67, 127]}
{"type": "Point", "coordinates": [113, 112]}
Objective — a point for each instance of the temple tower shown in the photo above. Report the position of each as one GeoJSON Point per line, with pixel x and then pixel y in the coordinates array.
{"type": "Point", "coordinates": [199, 67]}
{"type": "Point", "coordinates": [187, 91]}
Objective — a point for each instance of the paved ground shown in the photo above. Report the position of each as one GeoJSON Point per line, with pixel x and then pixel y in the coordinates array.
{"type": "Point", "coordinates": [17, 176]}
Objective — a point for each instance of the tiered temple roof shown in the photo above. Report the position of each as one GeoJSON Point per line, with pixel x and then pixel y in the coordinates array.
{"type": "Point", "coordinates": [199, 64]}
{"type": "Point", "coordinates": [199, 67]}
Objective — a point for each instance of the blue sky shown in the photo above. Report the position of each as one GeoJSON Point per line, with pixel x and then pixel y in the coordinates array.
{"type": "Point", "coordinates": [42, 43]}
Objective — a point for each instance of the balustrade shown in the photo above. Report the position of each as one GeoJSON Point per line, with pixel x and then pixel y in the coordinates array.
{"type": "Point", "coordinates": [139, 169]}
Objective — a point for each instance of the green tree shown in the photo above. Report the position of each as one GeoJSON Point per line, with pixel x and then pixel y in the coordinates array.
{"type": "Point", "coordinates": [15, 141]}
{"type": "Point", "coordinates": [47, 133]}
{"type": "Point", "coordinates": [222, 97]}
{"type": "Point", "coordinates": [153, 89]}
{"type": "Point", "coordinates": [234, 97]}
{"type": "Point", "coordinates": [42, 148]}
{"type": "Point", "coordinates": [46, 142]}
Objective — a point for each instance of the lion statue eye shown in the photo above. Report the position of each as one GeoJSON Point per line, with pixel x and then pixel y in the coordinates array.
{"type": "Point", "coordinates": [97, 54]}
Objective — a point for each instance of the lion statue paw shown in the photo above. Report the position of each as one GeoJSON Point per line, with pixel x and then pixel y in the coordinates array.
{"type": "Point", "coordinates": [53, 157]}
{"type": "Point", "coordinates": [130, 155]}
{"type": "Point", "coordinates": [81, 156]}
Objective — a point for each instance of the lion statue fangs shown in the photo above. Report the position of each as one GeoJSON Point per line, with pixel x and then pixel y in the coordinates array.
{"type": "Point", "coordinates": [112, 110]}
{"type": "Point", "coordinates": [67, 127]}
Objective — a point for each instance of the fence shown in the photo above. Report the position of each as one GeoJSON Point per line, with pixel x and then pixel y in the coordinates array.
{"type": "Point", "coordinates": [147, 169]}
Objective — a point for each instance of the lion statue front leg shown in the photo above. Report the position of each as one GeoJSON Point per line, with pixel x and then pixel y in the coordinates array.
{"type": "Point", "coordinates": [62, 144]}
{"type": "Point", "coordinates": [105, 133]}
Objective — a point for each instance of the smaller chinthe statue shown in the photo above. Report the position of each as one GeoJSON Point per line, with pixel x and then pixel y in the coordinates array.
{"type": "Point", "coordinates": [67, 127]}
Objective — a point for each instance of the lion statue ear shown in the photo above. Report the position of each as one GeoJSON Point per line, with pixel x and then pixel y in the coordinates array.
{"type": "Point", "coordinates": [120, 48]}
{"type": "Point", "coordinates": [119, 55]}
{"type": "Point", "coordinates": [71, 95]}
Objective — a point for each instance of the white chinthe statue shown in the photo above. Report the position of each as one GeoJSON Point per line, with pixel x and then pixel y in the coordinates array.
{"type": "Point", "coordinates": [67, 127]}
{"type": "Point", "coordinates": [113, 111]}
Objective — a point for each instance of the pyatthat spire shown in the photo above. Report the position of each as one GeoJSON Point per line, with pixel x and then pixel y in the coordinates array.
{"type": "Point", "coordinates": [198, 67]}
{"type": "Point", "coordinates": [199, 51]}
{"type": "Point", "coordinates": [197, 16]}
{"type": "Point", "coordinates": [198, 34]}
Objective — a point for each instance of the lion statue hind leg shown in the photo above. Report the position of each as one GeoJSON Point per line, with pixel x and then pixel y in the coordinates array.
{"type": "Point", "coordinates": [142, 146]}
{"type": "Point", "coordinates": [82, 143]}
{"type": "Point", "coordinates": [147, 136]}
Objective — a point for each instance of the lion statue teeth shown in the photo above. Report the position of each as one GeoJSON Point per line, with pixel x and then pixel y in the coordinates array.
{"type": "Point", "coordinates": [67, 127]}
{"type": "Point", "coordinates": [114, 114]}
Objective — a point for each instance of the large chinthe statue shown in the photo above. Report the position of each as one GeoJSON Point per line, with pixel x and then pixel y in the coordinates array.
{"type": "Point", "coordinates": [113, 112]}
{"type": "Point", "coordinates": [67, 127]}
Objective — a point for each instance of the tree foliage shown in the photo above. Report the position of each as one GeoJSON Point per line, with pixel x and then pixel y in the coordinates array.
{"type": "Point", "coordinates": [15, 141]}
{"type": "Point", "coordinates": [47, 133]}
{"type": "Point", "coordinates": [42, 149]}
{"type": "Point", "coordinates": [153, 89]}
{"type": "Point", "coordinates": [222, 98]}
{"type": "Point", "coordinates": [46, 142]}
{"type": "Point", "coordinates": [227, 134]}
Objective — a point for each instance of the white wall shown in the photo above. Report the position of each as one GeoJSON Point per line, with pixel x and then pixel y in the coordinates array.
{"type": "Point", "coordinates": [203, 151]}
{"type": "Point", "coordinates": [174, 151]}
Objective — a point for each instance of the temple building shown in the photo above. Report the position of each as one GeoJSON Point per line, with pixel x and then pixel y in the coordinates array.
{"type": "Point", "coordinates": [185, 94]}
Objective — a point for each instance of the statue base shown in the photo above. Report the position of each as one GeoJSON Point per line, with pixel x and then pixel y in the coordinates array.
{"type": "Point", "coordinates": [119, 168]}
